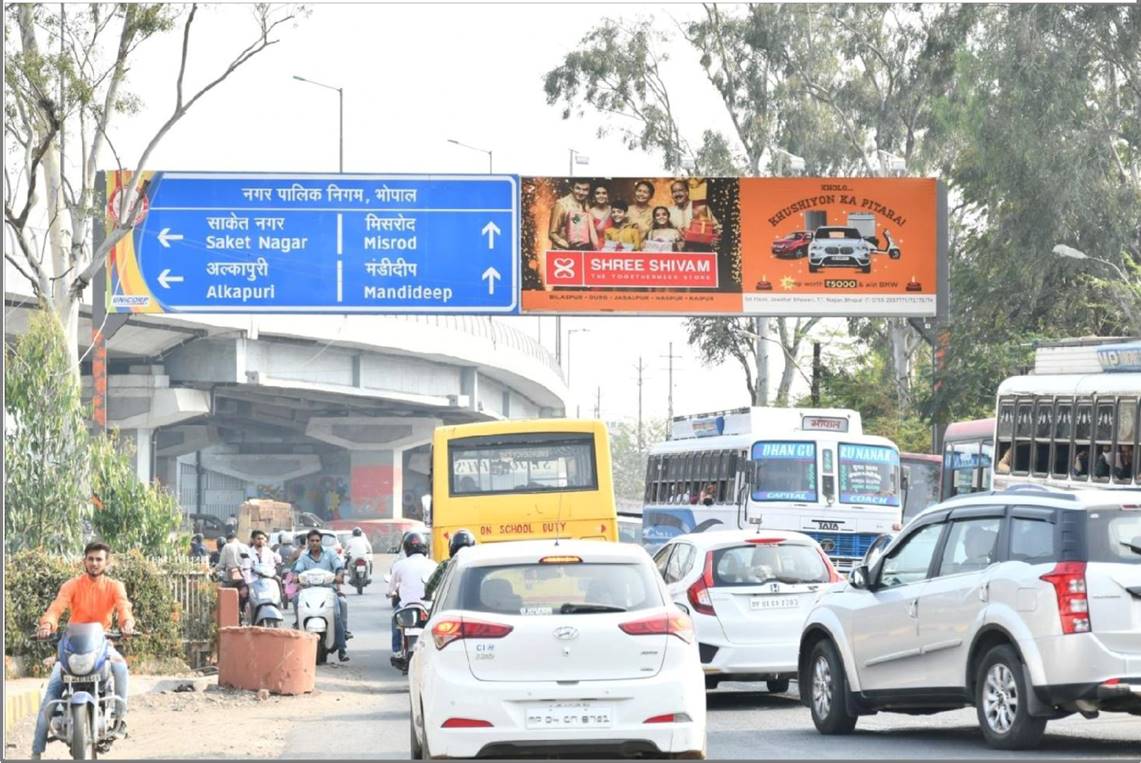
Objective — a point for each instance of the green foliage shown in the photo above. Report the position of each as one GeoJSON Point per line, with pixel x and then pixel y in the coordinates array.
{"type": "Point", "coordinates": [32, 579]}
{"type": "Point", "coordinates": [46, 443]}
{"type": "Point", "coordinates": [129, 513]}
{"type": "Point", "coordinates": [628, 461]}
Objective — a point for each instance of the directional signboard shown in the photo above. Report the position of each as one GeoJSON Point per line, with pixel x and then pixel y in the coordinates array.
{"type": "Point", "coordinates": [213, 242]}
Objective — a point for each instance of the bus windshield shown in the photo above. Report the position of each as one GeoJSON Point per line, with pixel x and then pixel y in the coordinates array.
{"type": "Point", "coordinates": [869, 474]}
{"type": "Point", "coordinates": [784, 471]}
{"type": "Point", "coordinates": [523, 463]}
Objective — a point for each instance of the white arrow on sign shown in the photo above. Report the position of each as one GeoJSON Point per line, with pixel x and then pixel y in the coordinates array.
{"type": "Point", "coordinates": [165, 237]}
{"type": "Point", "coordinates": [491, 230]}
{"type": "Point", "coordinates": [165, 279]}
{"type": "Point", "coordinates": [490, 275]}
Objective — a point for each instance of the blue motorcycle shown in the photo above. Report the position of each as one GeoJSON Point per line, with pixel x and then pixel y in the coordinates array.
{"type": "Point", "coordinates": [86, 713]}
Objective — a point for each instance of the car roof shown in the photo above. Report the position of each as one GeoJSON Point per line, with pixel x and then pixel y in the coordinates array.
{"type": "Point", "coordinates": [713, 538]}
{"type": "Point", "coordinates": [1041, 495]}
{"type": "Point", "coordinates": [530, 551]}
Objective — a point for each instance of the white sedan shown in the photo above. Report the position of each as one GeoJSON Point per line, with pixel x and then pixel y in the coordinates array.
{"type": "Point", "coordinates": [568, 647]}
{"type": "Point", "coordinates": [748, 593]}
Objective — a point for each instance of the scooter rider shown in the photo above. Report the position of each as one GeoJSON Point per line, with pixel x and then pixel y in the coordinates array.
{"type": "Point", "coordinates": [92, 598]}
{"type": "Point", "coordinates": [319, 557]}
{"type": "Point", "coordinates": [260, 552]}
{"type": "Point", "coordinates": [408, 575]}
{"type": "Point", "coordinates": [233, 568]}
{"type": "Point", "coordinates": [358, 547]}
{"type": "Point", "coordinates": [461, 539]}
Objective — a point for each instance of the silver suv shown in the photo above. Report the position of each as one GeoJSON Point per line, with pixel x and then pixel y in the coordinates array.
{"type": "Point", "coordinates": [1025, 603]}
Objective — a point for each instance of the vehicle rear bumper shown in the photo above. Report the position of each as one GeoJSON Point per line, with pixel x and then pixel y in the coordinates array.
{"type": "Point", "coordinates": [758, 660]}
{"type": "Point", "coordinates": [504, 704]}
{"type": "Point", "coordinates": [1120, 695]}
{"type": "Point", "coordinates": [1081, 659]}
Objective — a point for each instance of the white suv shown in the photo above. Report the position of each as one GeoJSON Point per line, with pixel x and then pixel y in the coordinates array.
{"type": "Point", "coordinates": [1025, 603]}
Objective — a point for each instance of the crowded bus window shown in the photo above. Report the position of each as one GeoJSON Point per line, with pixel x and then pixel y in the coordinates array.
{"type": "Point", "coordinates": [1083, 431]}
{"type": "Point", "coordinates": [1103, 441]}
{"type": "Point", "coordinates": [785, 471]}
{"type": "Point", "coordinates": [1063, 426]}
{"type": "Point", "coordinates": [1004, 429]}
{"type": "Point", "coordinates": [1124, 455]}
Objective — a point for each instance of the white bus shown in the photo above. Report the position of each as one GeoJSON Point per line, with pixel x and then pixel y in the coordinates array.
{"type": "Point", "coordinates": [1074, 421]}
{"type": "Point", "coordinates": [807, 470]}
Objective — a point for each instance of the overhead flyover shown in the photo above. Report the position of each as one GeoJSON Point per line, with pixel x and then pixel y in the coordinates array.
{"type": "Point", "coordinates": [332, 413]}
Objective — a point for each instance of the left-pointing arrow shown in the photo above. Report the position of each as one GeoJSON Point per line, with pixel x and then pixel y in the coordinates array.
{"type": "Point", "coordinates": [165, 279]}
{"type": "Point", "coordinates": [165, 237]}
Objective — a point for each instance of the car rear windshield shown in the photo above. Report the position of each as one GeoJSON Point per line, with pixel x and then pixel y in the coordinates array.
{"type": "Point", "coordinates": [759, 563]}
{"type": "Point", "coordinates": [1109, 530]}
{"type": "Point", "coordinates": [561, 588]}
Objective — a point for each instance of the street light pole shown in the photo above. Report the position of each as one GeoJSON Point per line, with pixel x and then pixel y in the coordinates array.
{"type": "Point", "coordinates": [490, 166]}
{"type": "Point", "coordinates": [340, 118]}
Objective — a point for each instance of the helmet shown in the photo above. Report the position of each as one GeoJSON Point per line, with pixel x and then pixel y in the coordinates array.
{"type": "Point", "coordinates": [414, 543]}
{"type": "Point", "coordinates": [357, 531]}
{"type": "Point", "coordinates": [460, 539]}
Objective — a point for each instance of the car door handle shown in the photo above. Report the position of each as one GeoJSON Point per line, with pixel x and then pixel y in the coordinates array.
{"type": "Point", "coordinates": [984, 592]}
{"type": "Point", "coordinates": [913, 609]}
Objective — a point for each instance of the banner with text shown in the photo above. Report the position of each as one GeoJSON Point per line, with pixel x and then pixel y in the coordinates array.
{"type": "Point", "coordinates": [758, 246]}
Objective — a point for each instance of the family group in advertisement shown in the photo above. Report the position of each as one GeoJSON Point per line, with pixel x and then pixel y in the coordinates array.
{"type": "Point", "coordinates": [730, 245]}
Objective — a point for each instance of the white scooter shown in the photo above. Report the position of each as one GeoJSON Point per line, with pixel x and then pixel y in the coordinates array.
{"type": "Point", "coordinates": [265, 597]}
{"type": "Point", "coordinates": [317, 609]}
{"type": "Point", "coordinates": [360, 573]}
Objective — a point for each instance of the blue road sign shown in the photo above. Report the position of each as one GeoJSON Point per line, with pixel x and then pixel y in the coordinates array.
{"type": "Point", "coordinates": [219, 242]}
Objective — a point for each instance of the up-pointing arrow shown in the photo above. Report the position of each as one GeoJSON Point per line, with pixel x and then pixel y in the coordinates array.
{"type": "Point", "coordinates": [165, 279]}
{"type": "Point", "coordinates": [165, 237]}
{"type": "Point", "coordinates": [491, 275]}
{"type": "Point", "coordinates": [491, 230]}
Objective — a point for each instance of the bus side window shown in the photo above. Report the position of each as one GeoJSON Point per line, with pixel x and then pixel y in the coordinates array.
{"type": "Point", "coordinates": [1043, 427]}
{"type": "Point", "coordinates": [1125, 453]}
{"type": "Point", "coordinates": [1023, 436]}
{"type": "Point", "coordinates": [984, 470]}
{"type": "Point", "coordinates": [1005, 437]}
{"type": "Point", "coordinates": [1083, 431]}
{"type": "Point", "coordinates": [1103, 441]}
{"type": "Point", "coordinates": [1063, 429]}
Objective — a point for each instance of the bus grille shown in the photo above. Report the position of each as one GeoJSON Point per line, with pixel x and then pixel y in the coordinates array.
{"type": "Point", "coordinates": [844, 545]}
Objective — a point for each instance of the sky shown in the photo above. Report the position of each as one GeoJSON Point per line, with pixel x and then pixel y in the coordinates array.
{"type": "Point", "coordinates": [415, 76]}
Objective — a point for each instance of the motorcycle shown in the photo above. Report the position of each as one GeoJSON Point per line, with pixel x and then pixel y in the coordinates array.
{"type": "Point", "coordinates": [317, 609]}
{"type": "Point", "coordinates": [410, 620]}
{"type": "Point", "coordinates": [361, 573]}
{"type": "Point", "coordinates": [265, 597]}
{"type": "Point", "coordinates": [87, 711]}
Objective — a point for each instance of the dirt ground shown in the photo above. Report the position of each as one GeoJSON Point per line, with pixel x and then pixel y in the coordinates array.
{"type": "Point", "coordinates": [215, 723]}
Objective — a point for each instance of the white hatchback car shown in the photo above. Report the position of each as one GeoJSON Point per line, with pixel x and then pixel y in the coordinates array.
{"type": "Point", "coordinates": [748, 593]}
{"type": "Point", "coordinates": [568, 647]}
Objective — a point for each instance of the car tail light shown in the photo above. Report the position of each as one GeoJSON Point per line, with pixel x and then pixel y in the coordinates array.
{"type": "Point", "coordinates": [698, 593]}
{"type": "Point", "coordinates": [361, 563]}
{"type": "Point", "coordinates": [667, 624]}
{"type": "Point", "coordinates": [465, 723]}
{"type": "Point", "coordinates": [669, 718]}
{"type": "Point", "coordinates": [561, 560]}
{"type": "Point", "coordinates": [833, 576]}
{"type": "Point", "coordinates": [447, 631]}
{"type": "Point", "coordinates": [765, 540]}
{"type": "Point", "coordinates": [1069, 581]}
{"type": "Point", "coordinates": [1111, 682]}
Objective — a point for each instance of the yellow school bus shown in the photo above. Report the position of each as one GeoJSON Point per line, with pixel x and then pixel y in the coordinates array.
{"type": "Point", "coordinates": [522, 480]}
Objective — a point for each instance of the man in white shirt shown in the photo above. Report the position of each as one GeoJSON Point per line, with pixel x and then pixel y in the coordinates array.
{"type": "Point", "coordinates": [408, 577]}
{"type": "Point", "coordinates": [358, 547]}
{"type": "Point", "coordinates": [235, 555]}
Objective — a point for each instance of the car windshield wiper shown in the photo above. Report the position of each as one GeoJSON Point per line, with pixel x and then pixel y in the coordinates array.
{"type": "Point", "coordinates": [579, 609]}
{"type": "Point", "coordinates": [1133, 545]}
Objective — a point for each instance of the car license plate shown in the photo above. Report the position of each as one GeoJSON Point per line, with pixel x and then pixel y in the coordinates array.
{"type": "Point", "coordinates": [774, 602]}
{"type": "Point", "coordinates": [570, 715]}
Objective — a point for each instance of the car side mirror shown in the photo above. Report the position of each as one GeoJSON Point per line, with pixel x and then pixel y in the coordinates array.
{"type": "Point", "coordinates": [859, 577]}
{"type": "Point", "coordinates": [412, 616]}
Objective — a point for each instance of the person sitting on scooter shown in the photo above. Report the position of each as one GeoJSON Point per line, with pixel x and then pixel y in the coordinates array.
{"type": "Point", "coordinates": [319, 557]}
{"type": "Point", "coordinates": [233, 568]}
{"type": "Point", "coordinates": [358, 547]}
{"type": "Point", "coordinates": [408, 576]}
{"type": "Point", "coordinates": [260, 551]}
{"type": "Point", "coordinates": [92, 598]}
{"type": "Point", "coordinates": [461, 539]}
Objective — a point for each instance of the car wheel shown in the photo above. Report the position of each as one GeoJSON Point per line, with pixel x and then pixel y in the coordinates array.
{"type": "Point", "coordinates": [866, 268]}
{"type": "Point", "coordinates": [813, 268]}
{"type": "Point", "coordinates": [777, 686]}
{"type": "Point", "coordinates": [1002, 704]}
{"type": "Point", "coordinates": [893, 253]}
{"type": "Point", "coordinates": [828, 689]}
{"type": "Point", "coordinates": [417, 751]}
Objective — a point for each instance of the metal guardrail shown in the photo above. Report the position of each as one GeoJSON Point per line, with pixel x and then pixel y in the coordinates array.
{"type": "Point", "coordinates": [190, 587]}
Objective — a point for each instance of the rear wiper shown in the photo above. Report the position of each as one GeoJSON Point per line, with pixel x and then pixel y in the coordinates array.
{"type": "Point", "coordinates": [578, 609]}
{"type": "Point", "coordinates": [1133, 545]}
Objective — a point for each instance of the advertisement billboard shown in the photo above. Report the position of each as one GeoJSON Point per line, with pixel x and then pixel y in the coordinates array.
{"type": "Point", "coordinates": [731, 246]}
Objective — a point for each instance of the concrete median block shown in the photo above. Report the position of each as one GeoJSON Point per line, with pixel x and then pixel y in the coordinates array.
{"type": "Point", "coordinates": [278, 660]}
{"type": "Point", "coordinates": [227, 607]}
